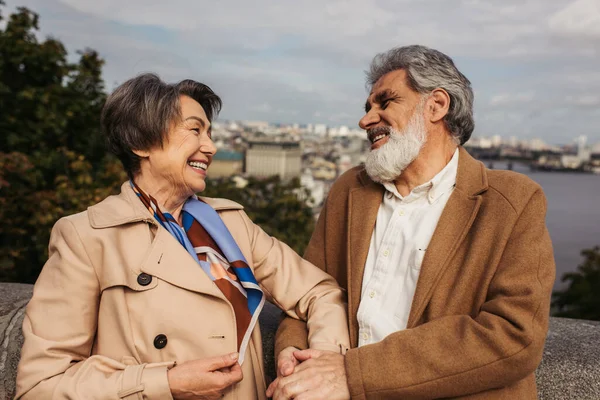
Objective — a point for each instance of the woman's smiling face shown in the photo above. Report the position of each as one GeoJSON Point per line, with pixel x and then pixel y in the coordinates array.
{"type": "Point", "coordinates": [186, 153]}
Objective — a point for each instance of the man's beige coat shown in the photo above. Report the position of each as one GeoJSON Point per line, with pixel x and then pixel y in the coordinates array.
{"type": "Point", "coordinates": [91, 325]}
{"type": "Point", "coordinates": [479, 316]}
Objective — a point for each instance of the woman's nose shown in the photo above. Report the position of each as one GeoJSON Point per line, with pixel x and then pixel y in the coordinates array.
{"type": "Point", "coordinates": [207, 146]}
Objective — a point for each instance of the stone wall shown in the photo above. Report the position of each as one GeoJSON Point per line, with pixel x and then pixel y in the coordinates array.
{"type": "Point", "coordinates": [570, 368]}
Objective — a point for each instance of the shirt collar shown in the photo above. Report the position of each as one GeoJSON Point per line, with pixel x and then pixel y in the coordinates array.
{"type": "Point", "coordinates": [436, 187]}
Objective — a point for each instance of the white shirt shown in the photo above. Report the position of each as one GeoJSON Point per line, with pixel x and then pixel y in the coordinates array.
{"type": "Point", "coordinates": [402, 233]}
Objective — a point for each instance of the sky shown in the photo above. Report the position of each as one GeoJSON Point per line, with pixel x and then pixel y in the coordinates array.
{"type": "Point", "coordinates": [534, 64]}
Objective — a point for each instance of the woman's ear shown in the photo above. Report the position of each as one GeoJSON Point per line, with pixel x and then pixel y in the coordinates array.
{"type": "Point", "coordinates": [141, 153]}
{"type": "Point", "coordinates": [439, 104]}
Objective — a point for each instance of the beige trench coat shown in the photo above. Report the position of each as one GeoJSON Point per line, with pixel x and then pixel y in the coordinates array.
{"type": "Point", "coordinates": [91, 325]}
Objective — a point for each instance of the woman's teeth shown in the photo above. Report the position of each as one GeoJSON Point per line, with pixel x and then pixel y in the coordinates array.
{"type": "Point", "coordinates": [197, 164]}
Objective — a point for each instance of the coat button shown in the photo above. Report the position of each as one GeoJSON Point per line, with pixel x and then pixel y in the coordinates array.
{"type": "Point", "coordinates": [160, 341]}
{"type": "Point", "coordinates": [144, 279]}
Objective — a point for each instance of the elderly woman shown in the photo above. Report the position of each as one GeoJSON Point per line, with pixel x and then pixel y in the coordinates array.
{"type": "Point", "coordinates": [155, 293]}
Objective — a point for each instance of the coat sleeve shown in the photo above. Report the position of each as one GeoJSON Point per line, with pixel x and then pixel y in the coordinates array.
{"type": "Point", "coordinates": [459, 354]}
{"type": "Point", "coordinates": [301, 290]}
{"type": "Point", "coordinates": [59, 329]}
{"type": "Point", "coordinates": [291, 331]}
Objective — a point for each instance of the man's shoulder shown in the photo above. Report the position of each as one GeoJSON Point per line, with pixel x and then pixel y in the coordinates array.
{"type": "Point", "coordinates": [354, 177]}
{"type": "Point", "coordinates": [513, 187]}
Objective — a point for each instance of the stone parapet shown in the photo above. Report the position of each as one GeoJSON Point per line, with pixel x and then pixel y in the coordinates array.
{"type": "Point", "coordinates": [570, 368]}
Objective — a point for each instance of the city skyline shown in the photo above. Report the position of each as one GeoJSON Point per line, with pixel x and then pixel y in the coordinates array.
{"type": "Point", "coordinates": [533, 64]}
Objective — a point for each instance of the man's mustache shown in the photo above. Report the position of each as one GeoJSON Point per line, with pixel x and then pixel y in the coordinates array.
{"type": "Point", "coordinates": [380, 130]}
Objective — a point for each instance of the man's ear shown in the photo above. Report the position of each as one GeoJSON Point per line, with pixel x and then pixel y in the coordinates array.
{"type": "Point", "coordinates": [141, 153]}
{"type": "Point", "coordinates": [438, 105]}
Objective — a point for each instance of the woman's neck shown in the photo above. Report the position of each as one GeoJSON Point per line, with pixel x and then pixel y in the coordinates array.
{"type": "Point", "coordinates": [169, 199]}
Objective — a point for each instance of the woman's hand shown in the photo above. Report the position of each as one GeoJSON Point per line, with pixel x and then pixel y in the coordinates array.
{"type": "Point", "coordinates": [286, 363]}
{"type": "Point", "coordinates": [205, 379]}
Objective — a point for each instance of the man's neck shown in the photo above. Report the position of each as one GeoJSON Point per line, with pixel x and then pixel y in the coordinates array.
{"type": "Point", "coordinates": [431, 160]}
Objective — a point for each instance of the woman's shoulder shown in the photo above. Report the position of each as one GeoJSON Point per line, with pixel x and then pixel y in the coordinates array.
{"type": "Point", "coordinates": [220, 204]}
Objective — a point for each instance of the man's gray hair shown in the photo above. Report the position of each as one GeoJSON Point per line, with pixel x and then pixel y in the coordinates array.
{"type": "Point", "coordinates": [428, 69]}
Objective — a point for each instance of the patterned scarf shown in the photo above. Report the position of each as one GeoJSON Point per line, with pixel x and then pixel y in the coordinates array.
{"type": "Point", "coordinates": [209, 242]}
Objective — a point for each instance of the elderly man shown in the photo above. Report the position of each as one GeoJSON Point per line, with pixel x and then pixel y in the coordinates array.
{"type": "Point", "coordinates": [448, 266]}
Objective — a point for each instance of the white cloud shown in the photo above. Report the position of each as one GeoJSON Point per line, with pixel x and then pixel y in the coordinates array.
{"type": "Point", "coordinates": [588, 100]}
{"type": "Point", "coordinates": [533, 63]}
{"type": "Point", "coordinates": [510, 98]}
{"type": "Point", "coordinates": [579, 18]}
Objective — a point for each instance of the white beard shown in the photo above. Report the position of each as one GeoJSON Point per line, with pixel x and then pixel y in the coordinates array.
{"type": "Point", "coordinates": [387, 162]}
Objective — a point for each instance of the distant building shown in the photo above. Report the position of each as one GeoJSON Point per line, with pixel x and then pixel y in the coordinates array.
{"type": "Point", "coordinates": [583, 152]}
{"type": "Point", "coordinates": [320, 129]}
{"type": "Point", "coordinates": [225, 164]}
{"type": "Point", "coordinates": [496, 141]}
{"type": "Point", "coordinates": [316, 188]}
{"type": "Point", "coordinates": [267, 157]}
{"type": "Point", "coordinates": [257, 126]}
{"type": "Point", "coordinates": [537, 144]}
{"type": "Point", "coordinates": [344, 163]}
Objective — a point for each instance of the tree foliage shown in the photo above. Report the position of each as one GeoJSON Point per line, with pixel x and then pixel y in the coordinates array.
{"type": "Point", "coordinates": [52, 157]}
{"type": "Point", "coordinates": [581, 298]}
{"type": "Point", "coordinates": [53, 161]}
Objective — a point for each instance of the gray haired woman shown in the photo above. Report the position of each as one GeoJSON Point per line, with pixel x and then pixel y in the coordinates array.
{"type": "Point", "coordinates": [155, 293]}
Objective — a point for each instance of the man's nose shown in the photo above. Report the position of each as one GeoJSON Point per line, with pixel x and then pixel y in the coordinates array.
{"type": "Point", "coordinates": [369, 119]}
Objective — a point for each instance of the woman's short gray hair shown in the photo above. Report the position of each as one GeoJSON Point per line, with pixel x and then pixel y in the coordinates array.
{"type": "Point", "coordinates": [139, 113]}
{"type": "Point", "coordinates": [428, 69]}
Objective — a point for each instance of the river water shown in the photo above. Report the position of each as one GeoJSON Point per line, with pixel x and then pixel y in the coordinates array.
{"type": "Point", "coordinates": [573, 216]}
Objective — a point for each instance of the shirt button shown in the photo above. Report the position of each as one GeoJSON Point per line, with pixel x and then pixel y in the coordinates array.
{"type": "Point", "coordinates": [160, 341]}
{"type": "Point", "coordinates": [386, 253]}
{"type": "Point", "coordinates": [365, 336]}
{"type": "Point", "coordinates": [401, 213]}
{"type": "Point", "coordinates": [372, 294]}
{"type": "Point", "coordinates": [144, 279]}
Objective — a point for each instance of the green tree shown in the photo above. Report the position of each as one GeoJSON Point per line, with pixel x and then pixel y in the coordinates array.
{"type": "Point", "coordinates": [53, 161]}
{"type": "Point", "coordinates": [272, 204]}
{"type": "Point", "coordinates": [581, 298]}
{"type": "Point", "coordinates": [52, 157]}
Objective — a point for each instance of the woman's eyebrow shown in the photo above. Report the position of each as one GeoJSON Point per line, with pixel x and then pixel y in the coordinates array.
{"type": "Point", "coordinates": [202, 122]}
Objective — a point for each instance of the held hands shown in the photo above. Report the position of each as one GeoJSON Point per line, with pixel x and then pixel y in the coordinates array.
{"type": "Point", "coordinates": [205, 379]}
{"type": "Point", "coordinates": [321, 375]}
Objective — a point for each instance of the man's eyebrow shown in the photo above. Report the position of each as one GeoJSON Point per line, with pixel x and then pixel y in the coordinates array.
{"type": "Point", "coordinates": [385, 95]}
{"type": "Point", "coordinates": [380, 97]}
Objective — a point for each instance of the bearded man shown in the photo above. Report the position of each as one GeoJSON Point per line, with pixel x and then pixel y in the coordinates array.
{"type": "Point", "coordinates": [448, 266]}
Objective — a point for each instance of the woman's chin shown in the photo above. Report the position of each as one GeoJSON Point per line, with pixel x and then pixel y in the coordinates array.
{"type": "Point", "coordinates": [197, 187]}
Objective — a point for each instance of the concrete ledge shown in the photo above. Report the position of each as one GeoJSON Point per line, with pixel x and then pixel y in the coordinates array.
{"type": "Point", "coordinates": [570, 368]}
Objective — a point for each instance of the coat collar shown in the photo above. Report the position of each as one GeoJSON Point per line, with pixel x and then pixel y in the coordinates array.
{"type": "Point", "coordinates": [452, 228]}
{"type": "Point", "coordinates": [126, 208]}
{"type": "Point", "coordinates": [166, 258]}
{"type": "Point", "coordinates": [456, 219]}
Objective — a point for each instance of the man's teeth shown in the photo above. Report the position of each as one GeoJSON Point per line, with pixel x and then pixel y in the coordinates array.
{"type": "Point", "coordinates": [196, 164]}
{"type": "Point", "coordinates": [379, 137]}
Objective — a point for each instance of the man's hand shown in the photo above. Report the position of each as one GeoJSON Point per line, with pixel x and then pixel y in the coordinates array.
{"type": "Point", "coordinates": [321, 375]}
{"type": "Point", "coordinates": [205, 379]}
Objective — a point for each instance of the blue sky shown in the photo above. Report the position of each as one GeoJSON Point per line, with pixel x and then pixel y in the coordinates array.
{"type": "Point", "coordinates": [534, 64]}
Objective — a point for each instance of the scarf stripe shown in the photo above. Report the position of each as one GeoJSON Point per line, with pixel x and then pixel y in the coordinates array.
{"type": "Point", "coordinates": [206, 238]}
